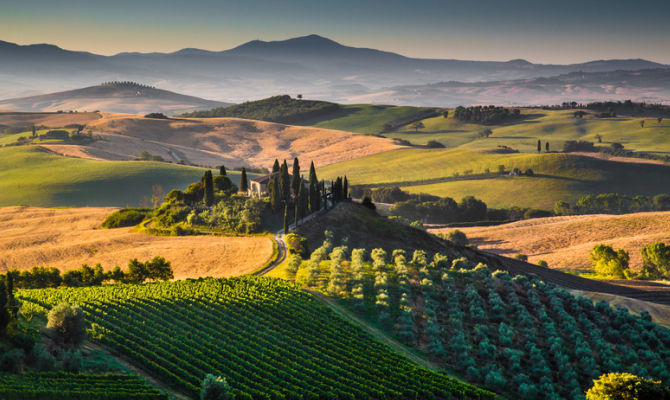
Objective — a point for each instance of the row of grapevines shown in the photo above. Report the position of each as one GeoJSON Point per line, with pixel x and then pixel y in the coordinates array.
{"type": "Point", "coordinates": [63, 385]}
{"type": "Point", "coordinates": [269, 339]}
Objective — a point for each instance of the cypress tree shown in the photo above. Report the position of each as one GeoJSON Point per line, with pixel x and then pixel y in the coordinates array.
{"type": "Point", "coordinates": [345, 188]}
{"type": "Point", "coordinates": [5, 317]}
{"type": "Point", "coordinates": [539, 146]}
{"type": "Point", "coordinates": [275, 193]}
{"type": "Point", "coordinates": [296, 216]}
{"type": "Point", "coordinates": [295, 181]}
{"type": "Point", "coordinates": [34, 132]}
{"type": "Point", "coordinates": [285, 183]}
{"type": "Point", "coordinates": [285, 219]}
{"type": "Point", "coordinates": [546, 147]}
{"type": "Point", "coordinates": [275, 166]}
{"type": "Point", "coordinates": [314, 197]}
{"type": "Point", "coordinates": [303, 199]}
{"type": "Point", "coordinates": [244, 185]}
{"type": "Point", "coordinates": [222, 170]}
{"type": "Point", "coordinates": [312, 173]}
{"type": "Point", "coordinates": [12, 304]}
{"type": "Point", "coordinates": [209, 188]}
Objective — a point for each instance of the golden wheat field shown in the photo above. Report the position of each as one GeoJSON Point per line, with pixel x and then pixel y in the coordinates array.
{"type": "Point", "coordinates": [68, 238]}
{"type": "Point", "coordinates": [566, 242]}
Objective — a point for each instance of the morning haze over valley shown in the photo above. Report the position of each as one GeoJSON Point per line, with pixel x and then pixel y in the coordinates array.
{"type": "Point", "coordinates": [349, 200]}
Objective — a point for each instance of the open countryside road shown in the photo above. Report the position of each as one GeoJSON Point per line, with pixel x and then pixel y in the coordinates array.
{"type": "Point", "coordinates": [281, 253]}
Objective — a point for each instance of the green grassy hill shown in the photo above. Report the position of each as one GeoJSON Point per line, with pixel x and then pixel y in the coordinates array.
{"type": "Point", "coordinates": [269, 339]}
{"type": "Point", "coordinates": [444, 172]}
{"type": "Point", "coordinates": [553, 126]}
{"type": "Point", "coordinates": [369, 119]}
{"type": "Point", "coordinates": [33, 176]}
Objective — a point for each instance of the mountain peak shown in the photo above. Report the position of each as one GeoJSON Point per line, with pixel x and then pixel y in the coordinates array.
{"type": "Point", "coordinates": [309, 42]}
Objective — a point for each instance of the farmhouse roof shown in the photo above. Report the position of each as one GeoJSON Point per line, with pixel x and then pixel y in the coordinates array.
{"type": "Point", "coordinates": [264, 178]}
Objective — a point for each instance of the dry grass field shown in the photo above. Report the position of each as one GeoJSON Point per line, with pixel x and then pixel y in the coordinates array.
{"type": "Point", "coordinates": [68, 238]}
{"type": "Point", "coordinates": [209, 141]}
{"type": "Point", "coordinates": [565, 242]}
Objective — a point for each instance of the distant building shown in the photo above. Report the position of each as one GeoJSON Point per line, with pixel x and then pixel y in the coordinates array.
{"type": "Point", "coordinates": [258, 187]}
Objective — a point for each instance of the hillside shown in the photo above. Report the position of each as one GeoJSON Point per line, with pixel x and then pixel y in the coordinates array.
{"type": "Point", "coordinates": [67, 238]}
{"type": "Point", "coordinates": [362, 228]}
{"type": "Point", "coordinates": [229, 141]}
{"type": "Point", "coordinates": [318, 66]}
{"type": "Point", "coordinates": [114, 97]}
{"type": "Point", "coordinates": [457, 173]}
{"type": "Point", "coordinates": [298, 347]}
{"type": "Point", "coordinates": [35, 176]}
{"type": "Point", "coordinates": [566, 242]}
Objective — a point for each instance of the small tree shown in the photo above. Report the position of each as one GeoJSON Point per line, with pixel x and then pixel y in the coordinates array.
{"type": "Point", "coordinates": [215, 388]}
{"type": "Point", "coordinates": [418, 125]}
{"type": "Point", "coordinates": [244, 184]}
{"type": "Point", "coordinates": [222, 170]}
{"type": "Point", "coordinates": [286, 220]}
{"type": "Point", "coordinates": [295, 178]}
{"type": "Point", "coordinates": [659, 119]}
{"type": "Point", "coordinates": [641, 123]}
{"type": "Point", "coordinates": [445, 114]}
{"type": "Point", "coordinates": [609, 263]}
{"type": "Point", "coordinates": [539, 146]}
{"type": "Point", "coordinates": [159, 269]}
{"type": "Point", "coordinates": [66, 325]}
{"type": "Point", "coordinates": [625, 386]}
{"type": "Point", "coordinates": [275, 166]}
{"type": "Point", "coordinates": [656, 260]}
{"type": "Point", "coordinates": [546, 147]}
{"type": "Point", "coordinates": [5, 316]}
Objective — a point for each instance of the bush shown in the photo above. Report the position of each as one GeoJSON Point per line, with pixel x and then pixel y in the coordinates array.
{"type": "Point", "coordinates": [609, 263]}
{"type": "Point", "coordinates": [42, 359]}
{"type": "Point", "coordinates": [457, 237]}
{"type": "Point", "coordinates": [625, 386]}
{"type": "Point", "coordinates": [12, 361]}
{"type": "Point", "coordinates": [215, 388]}
{"type": "Point", "coordinates": [297, 244]}
{"type": "Point", "coordinates": [434, 144]}
{"type": "Point", "coordinates": [656, 260]}
{"type": "Point", "coordinates": [521, 257]}
{"type": "Point", "coordinates": [66, 325]}
{"type": "Point", "coordinates": [156, 116]}
{"type": "Point", "coordinates": [72, 361]}
{"type": "Point", "coordinates": [368, 203]}
{"type": "Point", "coordinates": [542, 263]}
{"type": "Point", "coordinates": [126, 217]}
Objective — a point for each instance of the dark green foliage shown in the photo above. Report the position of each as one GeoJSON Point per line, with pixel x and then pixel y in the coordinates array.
{"type": "Point", "coordinates": [66, 325]}
{"type": "Point", "coordinates": [84, 276]}
{"type": "Point", "coordinates": [345, 188]}
{"type": "Point", "coordinates": [610, 263]}
{"type": "Point", "coordinates": [386, 194]}
{"type": "Point", "coordinates": [276, 167]}
{"type": "Point", "coordinates": [215, 388]}
{"type": "Point", "coordinates": [441, 210]}
{"type": "Point", "coordinates": [486, 115]}
{"type": "Point", "coordinates": [72, 361]}
{"type": "Point", "coordinates": [613, 203]}
{"type": "Point", "coordinates": [457, 237]}
{"type": "Point", "coordinates": [314, 190]}
{"type": "Point", "coordinates": [12, 361]}
{"type": "Point", "coordinates": [156, 269]}
{"type": "Point", "coordinates": [156, 116]}
{"type": "Point", "coordinates": [76, 386]}
{"type": "Point", "coordinates": [539, 146]}
{"type": "Point", "coordinates": [126, 217]}
{"type": "Point", "coordinates": [295, 177]}
{"type": "Point", "coordinates": [368, 203]}
{"type": "Point", "coordinates": [5, 315]}
{"type": "Point", "coordinates": [209, 188]}
{"type": "Point", "coordinates": [275, 193]}
{"type": "Point", "coordinates": [656, 261]}
{"type": "Point", "coordinates": [579, 145]}
{"type": "Point", "coordinates": [222, 170]}
{"type": "Point", "coordinates": [286, 219]}
{"type": "Point", "coordinates": [244, 183]}
{"type": "Point", "coordinates": [434, 144]}
{"type": "Point", "coordinates": [282, 109]}
{"type": "Point", "coordinates": [284, 183]}
{"type": "Point", "coordinates": [223, 183]}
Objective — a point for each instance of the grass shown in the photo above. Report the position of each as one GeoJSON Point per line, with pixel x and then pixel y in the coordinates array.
{"type": "Point", "coordinates": [33, 176]}
{"type": "Point", "coordinates": [557, 176]}
{"type": "Point", "coordinates": [68, 238]}
{"type": "Point", "coordinates": [364, 118]}
{"type": "Point", "coordinates": [551, 126]}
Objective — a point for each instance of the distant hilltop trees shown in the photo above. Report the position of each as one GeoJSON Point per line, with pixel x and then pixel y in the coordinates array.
{"type": "Point", "coordinates": [126, 85]}
{"type": "Point", "coordinates": [486, 115]}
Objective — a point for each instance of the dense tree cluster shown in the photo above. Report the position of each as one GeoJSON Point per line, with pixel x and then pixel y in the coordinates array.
{"type": "Point", "coordinates": [486, 115]}
{"type": "Point", "coordinates": [282, 109]}
{"type": "Point", "coordinates": [157, 268]}
{"type": "Point", "coordinates": [629, 107]}
{"type": "Point", "coordinates": [443, 210]}
{"type": "Point", "coordinates": [613, 203]}
{"type": "Point", "coordinates": [126, 85]}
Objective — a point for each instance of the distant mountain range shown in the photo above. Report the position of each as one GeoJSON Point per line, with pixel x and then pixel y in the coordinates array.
{"type": "Point", "coordinates": [312, 65]}
{"type": "Point", "coordinates": [115, 97]}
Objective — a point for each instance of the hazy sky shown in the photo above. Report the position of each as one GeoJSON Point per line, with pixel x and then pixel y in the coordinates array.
{"type": "Point", "coordinates": [564, 31]}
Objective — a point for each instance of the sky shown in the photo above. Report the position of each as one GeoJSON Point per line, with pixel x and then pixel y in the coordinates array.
{"type": "Point", "coordinates": [561, 32]}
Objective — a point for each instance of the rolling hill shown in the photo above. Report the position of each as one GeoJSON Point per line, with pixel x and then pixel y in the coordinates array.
{"type": "Point", "coordinates": [68, 238]}
{"type": "Point", "coordinates": [566, 242]}
{"type": "Point", "coordinates": [113, 97]}
{"type": "Point", "coordinates": [312, 65]}
{"type": "Point", "coordinates": [458, 173]}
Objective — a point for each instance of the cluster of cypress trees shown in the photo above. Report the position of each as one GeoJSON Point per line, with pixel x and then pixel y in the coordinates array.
{"type": "Point", "coordinates": [9, 308]}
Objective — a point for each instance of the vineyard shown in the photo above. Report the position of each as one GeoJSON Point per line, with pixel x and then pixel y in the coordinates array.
{"type": "Point", "coordinates": [270, 340]}
{"type": "Point", "coordinates": [62, 385]}
{"type": "Point", "coordinates": [518, 336]}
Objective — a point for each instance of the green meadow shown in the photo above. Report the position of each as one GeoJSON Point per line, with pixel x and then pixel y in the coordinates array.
{"type": "Point", "coordinates": [365, 118]}
{"type": "Point", "coordinates": [32, 176]}
{"type": "Point", "coordinates": [458, 172]}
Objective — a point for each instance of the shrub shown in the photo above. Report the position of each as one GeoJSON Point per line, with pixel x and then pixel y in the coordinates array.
{"type": "Point", "coordinates": [542, 263]}
{"type": "Point", "coordinates": [609, 263]}
{"type": "Point", "coordinates": [368, 203]}
{"type": "Point", "coordinates": [215, 388]}
{"type": "Point", "coordinates": [126, 217]}
{"type": "Point", "coordinates": [625, 386]}
{"type": "Point", "coordinates": [156, 116]}
{"type": "Point", "coordinates": [42, 359]}
{"type": "Point", "coordinates": [656, 260]}
{"type": "Point", "coordinates": [434, 144]}
{"type": "Point", "coordinates": [521, 257]}
{"type": "Point", "coordinates": [12, 361]}
{"type": "Point", "coordinates": [457, 237]}
{"type": "Point", "coordinates": [72, 361]}
{"type": "Point", "coordinates": [66, 325]}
